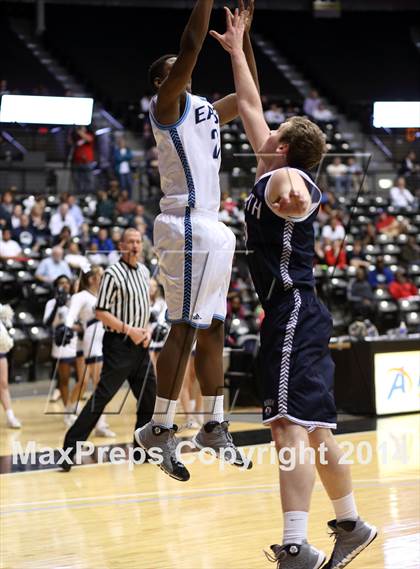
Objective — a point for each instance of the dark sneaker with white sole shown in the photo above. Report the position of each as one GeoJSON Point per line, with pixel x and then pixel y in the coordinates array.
{"type": "Point", "coordinates": [294, 556]}
{"type": "Point", "coordinates": [351, 538]}
{"type": "Point", "coordinates": [216, 436]}
{"type": "Point", "coordinates": [158, 437]}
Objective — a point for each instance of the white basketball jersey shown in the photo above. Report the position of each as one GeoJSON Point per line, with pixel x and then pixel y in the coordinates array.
{"type": "Point", "coordinates": [189, 156]}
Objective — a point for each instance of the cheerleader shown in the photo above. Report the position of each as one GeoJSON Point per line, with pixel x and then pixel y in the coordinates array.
{"type": "Point", "coordinates": [160, 327]}
{"type": "Point", "coordinates": [6, 344]}
{"type": "Point", "coordinates": [82, 310]}
{"type": "Point", "coordinates": [63, 348]}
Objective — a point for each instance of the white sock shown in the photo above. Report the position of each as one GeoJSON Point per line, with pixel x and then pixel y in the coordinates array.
{"type": "Point", "coordinates": [345, 508]}
{"type": "Point", "coordinates": [164, 413]}
{"type": "Point", "coordinates": [10, 414]}
{"type": "Point", "coordinates": [101, 424]}
{"type": "Point", "coordinates": [213, 408]}
{"type": "Point", "coordinates": [295, 527]}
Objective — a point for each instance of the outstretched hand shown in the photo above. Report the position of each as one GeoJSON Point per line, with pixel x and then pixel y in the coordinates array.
{"type": "Point", "coordinates": [249, 12]}
{"type": "Point", "coordinates": [232, 39]}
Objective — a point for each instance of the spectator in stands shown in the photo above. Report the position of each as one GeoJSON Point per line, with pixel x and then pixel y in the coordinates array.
{"type": "Point", "coordinates": [74, 210]}
{"type": "Point", "coordinates": [125, 206]}
{"type": "Point", "coordinates": [331, 201]}
{"type": "Point", "coordinates": [369, 234]}
{"type": "Point", "coordinates": [311, 103]}
{"type": "Point", "coordinates": [322, 114]}
{"type": "Point", "coordinates": [147, 252]}
{"type": "Point", "coordinates": [410, 252]}
{"type": "Point", "coordinates": [5, 217]}
{"type": "Point", "coordinates": [381, 276]}
{"type": "Point", "coordinates": [103, 241]}
{"type": "Point", "coordinates": [140, 210]}
{"type": "Point", "coordinates": [338, 175]}
{"type": "Point", "coordinates": [123, 157]}
{"type": "Point", "coordinates": [8, 201]}
{"type": "Point", "coordinates": [85, 237]}
{"type": "Point", "coordinates": [354, 172]}
{"type": "Point", "coordinates": [52, 267]}
{"type": "Point", "coordinates": [75, 259]}
{"type": "Point", "coordinates": [105, 207]}
{"type": "Point", "coordinates": [16, 216]}
{"type": "Point", "coordinates": [82, 141]}
{"type": "Point", "coordinates": [25, 234]}
{"type": "Point", "coordinates": [401, 287]}
{"type": "Point", "coordinates": [63, 239]}
{"type": "Point", "coordinates": [360, 294]}
{"type": "Point", "coordinates": [9, 248]}
{"type": "Point", "coordinates": [357, 257]}
{"type": "Point", "coordinates": [334, 231]}
{"type": "Point", "coordinates": [116, 236]}
{"type": "Point", "coordinates": [409, 166]}
{"type": "Point", "coordinates": [389, 224]}
{"type": "Point", "coordinates": [235, 308]}
{"type": "Point", "coordinates": [114, 190]}
{"type": "Point", "coordinates": [401, 197]}
{"type": "Point", "coordinates": [335, 254]}
{"type": "Point", "coordinates": [38, 219]}
{"type": "Point", "coordinates": [274, 116]}
{"type": "Point", "coordinates": [61, 219]}
{"type": "Point", "coordinates": [97, 258]}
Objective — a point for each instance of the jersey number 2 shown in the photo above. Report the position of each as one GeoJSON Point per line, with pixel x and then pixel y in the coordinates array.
{"type": "Point", "coordinates": [217, 149]}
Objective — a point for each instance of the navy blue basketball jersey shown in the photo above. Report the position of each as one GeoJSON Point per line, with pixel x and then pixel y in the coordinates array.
{"type": "Point", "coordinates": [280, 251]}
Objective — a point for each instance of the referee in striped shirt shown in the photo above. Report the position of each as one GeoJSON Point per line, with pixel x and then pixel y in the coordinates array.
{"type": "Point", "coordinates": [124, 308]}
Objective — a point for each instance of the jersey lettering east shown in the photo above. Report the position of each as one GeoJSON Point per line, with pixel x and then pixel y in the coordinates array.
{"type": "Point", "coordinates": [205, 113]}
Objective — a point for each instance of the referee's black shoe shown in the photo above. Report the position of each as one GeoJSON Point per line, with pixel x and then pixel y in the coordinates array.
{"type": "Point", "coordinates": [66, 459]}
{"type": "Point", "coordinates": [164, 439]}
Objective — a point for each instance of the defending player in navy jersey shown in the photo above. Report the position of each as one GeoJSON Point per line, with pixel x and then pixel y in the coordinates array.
{"type": "Point", "coordinates": [195, 250]}
{"type": "Point", "coordinates": [296, 364]}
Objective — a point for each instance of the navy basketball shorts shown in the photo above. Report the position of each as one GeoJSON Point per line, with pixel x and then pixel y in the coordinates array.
{"type": "Point", "coordinates": [295, 363]}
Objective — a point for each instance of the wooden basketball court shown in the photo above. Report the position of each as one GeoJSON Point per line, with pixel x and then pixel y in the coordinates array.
{"type": "Point", "coordinates": [117, 516]}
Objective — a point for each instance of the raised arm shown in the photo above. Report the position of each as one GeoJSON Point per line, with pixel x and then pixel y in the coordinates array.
{"type": "Point", "coordinates": [227, 108]}
{"type": "Point", "coordinates": [249, 101]}
{"type": "Point", "coordinates": [168, 101]}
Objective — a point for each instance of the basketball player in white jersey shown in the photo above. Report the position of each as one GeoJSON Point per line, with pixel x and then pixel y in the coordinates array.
{"type": "Point", "coordinates": [296, 365]}
{"type": "Point", "coordinates": [195, 250]}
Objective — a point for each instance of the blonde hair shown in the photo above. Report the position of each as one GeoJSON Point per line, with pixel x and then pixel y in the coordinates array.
{"type": "Point", "coordinates": [306, 142]}
{"type": "Point", "coordinates": [84, 277]}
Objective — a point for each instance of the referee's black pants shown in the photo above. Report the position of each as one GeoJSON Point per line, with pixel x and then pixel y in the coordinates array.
{"type": "Point", "coordinates": [122, 360]}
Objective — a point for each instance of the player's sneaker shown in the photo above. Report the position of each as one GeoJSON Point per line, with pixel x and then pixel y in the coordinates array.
{"type": "Point", "coordinates": [155, 436]}
{"type": "Point", "coordinates": [55, 396]}
{"type": "Point", "coordinates": [351, 538]}
{"type": "Point", "coordinates": [12, 421]}
{"type": "Point", "coordinates": [70, 419]}
{"type": "Point", "coordinates": [216, 436]}
{"type": "Point", "coordinates": [295, 556]}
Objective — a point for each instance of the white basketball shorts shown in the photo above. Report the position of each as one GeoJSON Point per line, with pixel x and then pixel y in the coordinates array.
{"type": "Point", "coordinates": [195, 260]}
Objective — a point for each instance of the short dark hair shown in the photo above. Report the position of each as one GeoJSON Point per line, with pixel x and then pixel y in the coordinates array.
{"type": "Point", "coordinates": [157, 67]}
